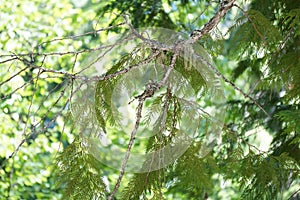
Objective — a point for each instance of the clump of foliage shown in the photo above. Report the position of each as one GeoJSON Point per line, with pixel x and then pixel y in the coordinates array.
{"type": "Point", "coordinates": [253, 52]}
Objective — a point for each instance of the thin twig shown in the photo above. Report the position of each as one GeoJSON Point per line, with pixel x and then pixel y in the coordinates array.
{"type": "Point", "coordinates": [84, 78]}
{"type": "Point", "coordinates": [24, 85]}
{"type": "Point", "coordinates": [274, 57]}
{"type": "Point", "coordinates": [170, 68]}
{"type": "Point", "coordinates": [252, 23]}
{"type": "Point", "coordinates": [8, 60]}
{"type": "Point", "coordinates": [204, 10]}
{"type": "Point", "coordinates": [125, 70]}
{"type": "Point", "coordinates": [152, 43]}
{"type": "Point", "coordinates": [59, 53]}
{"type": "Point", "coordinates": [72, 37]}
{"type": "Point", "coordinates": [43, 128]}
{"type": "Point", "coordinates": [39, 122]}
{"type": "Point", "coordinates": [125, 39]}
{"type": "Point", "coordinates": [219, 74]}
{"type": "Point", "coordinates": [294, 194]}
{"type": "Point", "coordinates": [30, 104]}
{"type": "Point", "coordinates": [16, 74]}
{"type": "Point", "coordinates": [130, 144]}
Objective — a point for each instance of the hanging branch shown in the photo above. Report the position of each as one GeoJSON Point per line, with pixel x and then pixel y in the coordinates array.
{"type": "Point", "coordinates": [150, 90]}
{"type": "Point", "coordinates": [226, 5]}
{"type": "Point", "coordinates": [219, 74]}
{"type": "Point", "coordinates": [70, 76]}
{"type": "Point", "coordinates": [130, 144]}
{"type": "Point", "coordinates": [153, 87]}
{"type": "Point", "coordinates": [197, 34]}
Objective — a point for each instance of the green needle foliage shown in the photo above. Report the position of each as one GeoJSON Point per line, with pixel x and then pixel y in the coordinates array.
{"type": "Point", "coordinates": [79, 173]}
{"type": "Point", "coordinates": [48, 53]}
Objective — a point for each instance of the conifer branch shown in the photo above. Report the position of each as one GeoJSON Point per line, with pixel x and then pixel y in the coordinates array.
{"type": "Point", "coordinates": [195, 36]}
{"type": "Point", "coordinates": [151, 89]}
{"type": "Point", "coordinates": [84, 78]}
{"type": "Point", "coordinates": [226, 5]}
{"type": "Point", "coordinates": [130, 144]}
{"type": "Point", "coordinates": [276, 56]}
{"type": "Point", "coordinates": [252, 23]}
{"type": "Point", "coordinates": [71, 77]}
{"type": "Point", "coordinates": [219, 74]}
{"type": "Point", "coordinates": [148, 92]}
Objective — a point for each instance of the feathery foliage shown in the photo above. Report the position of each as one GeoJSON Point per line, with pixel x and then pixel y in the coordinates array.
{"type": "Point", "coordinates": [152, 118]}
{"type": "Point", "coordinates": [78, 172]}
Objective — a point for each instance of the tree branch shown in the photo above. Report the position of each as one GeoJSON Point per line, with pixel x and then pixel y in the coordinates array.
{"type": "Point", "coordinates": [219, 74]}
{"type": "Point", "coordinates": [130, 144]}
{"type": "Point", "coordinates": [226, 5]}
{"type": "Point", "coordinates": [148, 92]}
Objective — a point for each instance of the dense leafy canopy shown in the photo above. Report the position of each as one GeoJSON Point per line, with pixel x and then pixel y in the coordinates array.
{"type": "Point", "coordinates": [49, 52]}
